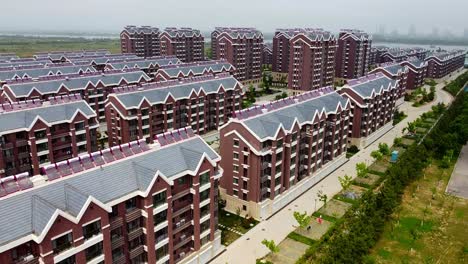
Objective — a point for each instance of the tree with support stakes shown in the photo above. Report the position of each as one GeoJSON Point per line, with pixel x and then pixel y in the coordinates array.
{"type": "Point", "coordinates": [271, 245]}
{"type": "Point", "coordinates": [302, 219]}
{"type": "Point", "coordinates": [345, 182]}
{"type": "Point", "coordinates": [322, 197]}
{"type": "Point", "coordinates": [361, 170]}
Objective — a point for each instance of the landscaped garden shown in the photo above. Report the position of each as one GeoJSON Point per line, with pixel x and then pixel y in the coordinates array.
{"type": "Point", "coordinates": [233, 226]}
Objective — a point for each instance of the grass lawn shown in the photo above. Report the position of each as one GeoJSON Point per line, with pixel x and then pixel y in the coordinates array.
{"type": "Point", "coordinates": [28, 46]}
{"type": "Point", "coordinates": [334, 208]}
{"type": "Point", "coordinates": [235, 222]}
{"type": "Point", "coordinates": [370, 180]}
{"type": "Point", "coordinates": [428, 227]}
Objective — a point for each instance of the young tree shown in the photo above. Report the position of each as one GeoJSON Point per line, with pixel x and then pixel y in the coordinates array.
{"type": "Point", "coordinates": [322, 197]}
{"type": "Point", "coordinates": [384, 149]}
{"type": "Point", "coordinates": [377, 155]}
{"type": "Point", "coordinates": [271, 245]}
{"type": "Point", "coordinates": [361, 169]}
{"type": "Point", "coordinates": [398, 142]}
{"type": "Point", "coordinates": [345, 182]}
{"type": "Point", "coordinates": [302, 219]}
{"type": "Point", "coordinates": [411, 128]}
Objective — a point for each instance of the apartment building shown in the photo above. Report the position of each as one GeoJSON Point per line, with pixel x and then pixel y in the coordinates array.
{"type": "Point", "coordinates": [373, 99]}
{"type": "Point", "coordinates": [136, 203]}
{"type": "Point", "coordinates": [393, 55]}
{"type": "Point", "coordinates": [34, 133]}
{"type": "Point", "coordinates": [187, 44]}
{"type": "Point", "coordinates": [93, 87]}
{"type": "Point", "coordinates": [441, 64]}
{"type": "Point", "coordinates": [143, 41]}
{"type": "Point", "coordinates": [34, 72]}
{"type": "Point", "coordinates": [311, 60]}
{"type": "Point", "coordinates": [148, 65]}
{"type": "Point", "coordinates": [267, 54]}
{"type": "Point", "coordinates": [417, 52]}
{"type": "Point", "coordinates": [204, 103]}
{"type": "Point", "coordinates": [188, 70]}
{"type": "Point", "coordinates": [417, 71]}
{"type": "Point", "coordinates": [272, 153]}
{"type": "Point", "coordinates": [281, 47]}
{"type": "Point", "coordinates": [242, 47]}
{"type": "Point", "coordinates": [396, 72]}
{"type": "Point", "coordinates": [352, 54]}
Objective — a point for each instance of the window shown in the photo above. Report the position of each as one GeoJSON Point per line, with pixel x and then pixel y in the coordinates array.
{"type": "Point", "coordinates": [117, 253]}
{"type": "Point", "coordinates": [279, 156]}
{"type": "Point", "coordinates": [160, 235]}
{"type": "Point", "coordinates": [159, 199]}
{"type": "Point", "coordinates": [205, 195]}
{"type": "Point", "coordinates": [116, 233]}
{"type": "Point", "coordinates": [93, 251]}
{"type": "Point", "coordinates": [133, 225]}
{"type": "Point", "coordinates": [69, 260]}
{"type": "Point", "coordinates": [235, 192]}
{"type": "Point", "coordinates": [160, 217]}
{"type": "Point", "coordinates": [92, 229]}
{"type": "Point", "coordinates": [114, 213]}
{"type": "Point", "coordinates": [182, 180]}
{"type": "Point", "coordinates": [235, 180]}
{"type": "Point", "coordinates": [162, 252]}
{"type": "Point", "coordinates": [279, 143]}
{"type": "Point", "coordinates": [62, 243]}
{"type": "Point", "coordinates": [204, 178]}
{"type": "Point", "coordinates": [236, 156]}
{"type": "Point", "coordinates": [130, 204]}
{"type": "Point", "coordinates": [236, 168]}
{"type": "Point", "coordinates": [236, 143]}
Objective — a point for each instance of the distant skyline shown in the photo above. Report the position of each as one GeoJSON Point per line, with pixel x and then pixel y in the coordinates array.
{"type": "Point", "coordinates": [110, 16]}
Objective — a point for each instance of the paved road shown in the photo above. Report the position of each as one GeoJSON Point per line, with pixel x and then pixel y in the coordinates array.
{"type": "Point", "coordinates": [248, 248]}
{"type": "Point", "coordinates": [458, 184]}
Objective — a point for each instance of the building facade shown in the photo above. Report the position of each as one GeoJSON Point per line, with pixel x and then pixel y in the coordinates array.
{"type": "Point", "coordinates": [188, 70]}
{"type": "Point", "coordinates": [92, 87]}
{"type": "Point", "coordinates": [143, 41]}
{"type": "Point", "coordinates": [396, 72]}
{"type": "Point", "coordinates": [441, 64]}
{"type": "Point", "coordinates": [33, 133]}
{"type": "Point", "coordinates": [139, 207]}
{"type": "Point", "coordinates": [281, 48]}
{"type": "Point", "coordinates": [373, 99]}
{"type": "Point", "coordinates": [272, 153]}
{"type": "Point", "coordinates": [352, 54]}
{"type": "Point", "coordinates": [311, 60]}
{"type": "Point", "coordinates": [204, 103]}
{"type": "Point", "coordinates": [186, 44]}
{"type": "Point", "coordinates": [242, 47]}
{"type": "Point", "coordinates": [267, 54]}
{"type": "Point", "coordinates": [148, 65]}
{"type": "Point", "coordinates": [417, 71]}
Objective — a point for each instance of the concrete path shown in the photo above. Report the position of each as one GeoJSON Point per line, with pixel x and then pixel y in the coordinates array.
{"type": "Point", "coordinates": [248, 248]}
{"type": "Point", "coordinates": [458, 184]}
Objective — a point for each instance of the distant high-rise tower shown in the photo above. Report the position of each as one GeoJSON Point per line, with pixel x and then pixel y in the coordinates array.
{"type": "Point", "coordinates": [352, 55]}
{"type": "Point", "coordinates": [143, 41]}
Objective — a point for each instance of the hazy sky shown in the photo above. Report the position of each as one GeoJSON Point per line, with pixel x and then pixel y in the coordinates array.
{"type": "Point", "coordinates": [112, 15]}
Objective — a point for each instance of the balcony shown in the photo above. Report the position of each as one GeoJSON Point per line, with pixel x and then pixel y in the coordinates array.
{"type": "Point", "coordinates": [117, 242]}
{"type": "Point", "coordinates": [135, 233]}
{"type": "Point", "coordinates": [30, 259]}
{"type": "Point", "coordinates": [132, 215]}
{"type": "Point", "coordinates": [182, 242]}
{"type": "Point", "coordinates": [21, 142]}
{"type": "Point", "coordinates": [181, 225]}
{"type": "Point", "coordinates": [119, 260]}
{"type": "Point", "coordinates": [136, 251]}
{"type": "Point", "coordinates": [116, 222]}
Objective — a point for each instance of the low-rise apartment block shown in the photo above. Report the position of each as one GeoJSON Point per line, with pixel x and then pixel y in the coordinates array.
{"type": "Point", "coordinates": [34, 133]}
{"type": "Point", "coordinates": [204, 103]}
{"type": "Point", "coordinates": [441, 64]}
{"type": "Point", "coordinates": [352, 54]}
{"type": "Point", "coordinates": [148, 65]}
{"type": "Point", "coordinates": [188, 70]}
{"type": "Point", "coordinates": [417, 71]}
{"type": "Point", "coordinates": [187, 44]}
{"type": "Point", "coordinates": [242, 47]}
{"type": "Point", "coordinates": [34, 72]}
{"type": "Point", "coordinates": [274, 152]}
{"type": "Point", "coordinates": [143, 41]}
{"type": "Point", "coordinates": [396, 72]}
{"type": "Point", "coordinates": [135, 203]}
{"type": "Point", "coordinates": [311, 60]}
{"type": "Point", "coordinates": [93, 87]}
{"type": "Point", "coordinates": [373, 99]}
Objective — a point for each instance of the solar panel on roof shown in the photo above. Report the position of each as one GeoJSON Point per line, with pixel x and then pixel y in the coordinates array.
{"type": "Point", "coordinates": [135, 147]}
{"type": "Point", "coordinates": [3, 192]}
{"type": "Point", "coordinates": [52, 174]}
{"type": "Point", "coordinates": [75, 165]}
{"type": "Point", "coordinates": [143, 145]}
{"type": "Point", "coordinates": [86, 162]}
{"type": "Point", "coordinates": [126, 150]}
{"type": "Point", "coordinates": [117, 153]}
{"type": "Point", "coordinates": [10, 185]}
{"type": "Point", "coordinates": [107, 156]}
{"type": "Point", "coordinates": [64, 169]}
{"type": "Point", "coordinates": [98, 159]}
{"type": "Point", "coordinates": [24, 181]}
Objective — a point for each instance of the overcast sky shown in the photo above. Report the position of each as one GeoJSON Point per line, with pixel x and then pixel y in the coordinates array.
{"type": "Point", "coordinates": [112, 15]}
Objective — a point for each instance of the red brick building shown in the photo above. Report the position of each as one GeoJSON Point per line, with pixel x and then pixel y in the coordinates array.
{"type": "Point", "coordinates": [93, 87]}
{"type": "Point", "coordinates": [417, 71]}
{"type": "Point", "coordinates": [148, 65]}
{"type": "Point", "coordinates": [204, 103]}
{"type": "Point", "coordinates": [267, 54]}
{"type": "Point", "coordinates": [373, 99]}
{"type": "Point", "coordinates": [443, 63]}
{"type": "Point", "coordinates": [242, 47]}
{"type": "Point", "coordinates": [394, 55]}
{"type": "Point", "coordinates": [33, 133]}
{"type": "Point", "coordinates": [281, 48]}
{"type": "Point", "coordinates": [188, 70]}
{"type": "Point", "coordinates": [396, 72]}
{"type": "Point", "coordinates": [143, 41]}
{"type": "Point", "coordinates": [311, 60]}
{"type": "Point", "coordinates": [187, 44]}
{"type": "Point", "coordinates": [37, 71]}
{"type": "Point", "coordinates": [272, 153]}
{"type": "Point", "coordinates": [131, 204]}
{"type": "Point", "coordinates": [352, 54]}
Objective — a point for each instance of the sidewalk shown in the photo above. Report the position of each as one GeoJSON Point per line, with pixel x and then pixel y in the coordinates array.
{"type": "Point", "coordinates": [248, 248]}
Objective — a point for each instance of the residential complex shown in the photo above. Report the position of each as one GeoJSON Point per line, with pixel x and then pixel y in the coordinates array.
{"type": "Point", "coordinates": [373, 99]}
{"type": "Point", "coordinates": [93, 87]}
{"type": "Point", "coordinates": [148, 65]}
{"type": "Point", "coordinates": [352, 54]}
{"type": "Point", "coordinates": [143, 41]}
{"type": "Point", "coordinates": [188, 70]}
{"type": "Point", "coordinates": [417, 71]}
{"type": "Point", "coordinates": [204, 103]}
{"type": "Point", "coordinates": [396, 72]}
{"type": "Point", "coordinates": [443, 63]}
{"type": "Point", "coordinates": [34, 133]}
{"type": "Point", "coordinates": [267, 54]}
{"type": "Point", "coordinates": [35, 72]}
{"type": "Point", "coordinates": [311, 60]}
{"type": "Point", "coordinates": [272, 153]}
{"type": "Point", "coordinates": [135, 203]}
{"type": "Point", "coordinates": [242, 47]}
{"type": "Point", "coordinates": [393, 55]}
{"type": "Point", "coordinates": [281, 48]}
{"type": "Point", "coordinates": [187, 44]}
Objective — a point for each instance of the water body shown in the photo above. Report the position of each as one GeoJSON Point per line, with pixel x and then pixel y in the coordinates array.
{"type": "Point", "coordinates": [427, 46]}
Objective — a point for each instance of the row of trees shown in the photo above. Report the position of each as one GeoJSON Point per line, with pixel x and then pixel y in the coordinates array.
{"type": "Point", "coordinates": [350, 240]}
{"type": "Point", "coordinates": [457, 84]}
